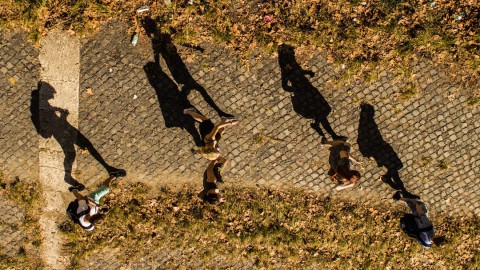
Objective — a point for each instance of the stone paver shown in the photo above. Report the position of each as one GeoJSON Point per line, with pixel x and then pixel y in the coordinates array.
{"type": "Point", "coordinates": [274, 145]}
{"type": "Point", "coordinates": [19, 75]}
{"type": "Point", "coordinates": [431, 138]}
{"type": "Point", "coordinates": [12, 237]}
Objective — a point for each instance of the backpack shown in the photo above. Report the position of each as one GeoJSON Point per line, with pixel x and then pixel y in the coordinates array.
{"type": "Point", "coordinates": [72, 212]}
{"type": "Point", "coordinates": [408, 225]}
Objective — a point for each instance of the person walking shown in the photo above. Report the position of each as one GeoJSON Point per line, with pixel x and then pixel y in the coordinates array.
{"type": "Point", "coordinates": [416, 224]}
{"type": "Point", "coordinates": [210, 133]}
{"type": "Point", "coordinates": [340, 165]}
{"type": "Point", "coordinates": [86, 210]}
{"type": "Point", "coordinates": [210, 193]}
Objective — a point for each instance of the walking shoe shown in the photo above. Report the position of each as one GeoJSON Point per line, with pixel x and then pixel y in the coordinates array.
{"type": "Point", "coordinates": [117, 173]}
{"type": "Point", "coordinates": [78, 187]}
{"type": "Point", "coordinates": [340, 138]}
{"type": "Point", "coordinates": [229, 119]}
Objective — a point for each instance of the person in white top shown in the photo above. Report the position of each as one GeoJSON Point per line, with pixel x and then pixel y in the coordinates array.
{"type": "Point", "coordinates": [89, 210]}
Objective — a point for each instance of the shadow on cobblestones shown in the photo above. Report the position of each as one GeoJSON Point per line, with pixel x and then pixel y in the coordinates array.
{"type": "Point", "coordinates": [372, 145]}
{"type": "Point", "coordinates": [162, 44]}
{"type": "Point", "coordinates": [48, 123]}
{"type": "Point", "coordinates": [172, 102]}
{"type": "Point", "coordinates": [307, 101]}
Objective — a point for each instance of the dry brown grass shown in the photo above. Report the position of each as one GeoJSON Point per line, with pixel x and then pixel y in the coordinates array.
{"type": "Point", "coordinates": [25, 195]}
{"type": "Point", "coordinates": [292, 229]}
{"type": "Point", "coordinates": [360, 34]}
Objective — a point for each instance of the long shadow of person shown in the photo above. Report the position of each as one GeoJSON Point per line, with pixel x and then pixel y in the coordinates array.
{"type": "Point", "coordinates": [306, 100]}
{"type": "Point", "coordinates": [172, 101]}
{"type": "Point", "coordinates": [52, 121]}
{"type": "Point", "coordinates": [163, 45]}
{"type": "Point", "coordinates": [372, 145]}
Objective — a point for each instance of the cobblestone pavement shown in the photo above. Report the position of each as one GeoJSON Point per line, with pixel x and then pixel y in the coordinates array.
{"type": "Point", "coordinates": [19, 73]}
{"type": "Point", "coordinates": [431, 139]}
{"type": "Point", "coordinates": [12, 237]}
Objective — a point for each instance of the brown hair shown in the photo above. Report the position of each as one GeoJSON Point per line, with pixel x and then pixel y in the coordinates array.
{"type": "Point", "coordinates": [348, 174]}
{"type": "Point", "coordinates": [95, 219]}
{"type": "Point", "coordinates": [356, 174]}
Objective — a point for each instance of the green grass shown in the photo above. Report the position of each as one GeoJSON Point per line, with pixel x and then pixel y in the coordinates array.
{"type": "Point", "coordinates": [409, 91]}
{"type": "Point", "coordinates": [258, 139]}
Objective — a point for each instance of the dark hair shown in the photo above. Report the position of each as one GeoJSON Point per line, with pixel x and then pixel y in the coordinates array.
{"type": "Point", "coordinates": [348, 174]}
{"type": "Point", "coordinates": [354, 173]}
{"type": "Point", "coordinates": [97, 218]}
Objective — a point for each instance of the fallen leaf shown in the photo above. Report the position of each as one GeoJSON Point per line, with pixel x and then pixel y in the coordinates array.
{"type": "Point", "coordinates": [89, 91]}
{"type": "Point", "coordinates": [12, 81]}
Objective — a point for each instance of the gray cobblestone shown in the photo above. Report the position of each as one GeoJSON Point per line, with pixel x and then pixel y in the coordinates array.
{"type": "Point", "coordinates": [19, 155]}
{"type": "Point", "coordinates": [124, 121]}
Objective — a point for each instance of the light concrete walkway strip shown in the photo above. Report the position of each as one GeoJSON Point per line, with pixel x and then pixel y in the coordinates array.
{"type": "Point", "coordinates": [60, 61]}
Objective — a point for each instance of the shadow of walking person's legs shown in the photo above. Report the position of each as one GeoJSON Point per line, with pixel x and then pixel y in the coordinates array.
{"type": "Point", "coordinates": [162, 44]}
{"type": "Point", "coordinates": [372, 145]}
{"type": "Point", "coordinates": [171, 101]}
{"type": "Point", "coordinates": [51, 121]}
{"type": "Point", "coordinates": [307, 101]}
{"type": "Point", "coordinates": [181, 74]}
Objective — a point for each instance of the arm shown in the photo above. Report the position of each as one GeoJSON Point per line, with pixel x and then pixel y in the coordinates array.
{"type": "Point", "coordinates": [79, 196]}
{"type": "Point", "coordinates": [285, 84]}
{"type": "Point", "coordinates": [217, 127]}
{"type": "Point", "coordinates": [354, 160]}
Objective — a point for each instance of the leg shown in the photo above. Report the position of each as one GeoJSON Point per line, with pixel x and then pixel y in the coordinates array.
{"type": "Point", "coordinates": [335, 143]}
{"type": "Point", "coordinates": [196, 115]}
{"type": "Point", "coordinates": [208, 99]}
{"type": "Point", "coordinates": [219, 127]}
{"type": "Point", "coordinates": [316, 126]}
{"type": "Point", "coordinates": [108, 181]}
{"type": "Point", "coordinates": [217, 169]}
{"type": "Point", "coordinates": [326, 125]}
{"type": "Point", "coordinates": [97, 195]}
{"type": "Point", "coordinates": [85, 143]}
{"type": "Point", "coordinates": [388, 179]}
{"type": "Point", "coordinates": [210, 176]}
{"type": "Point", "coordinates": [68, 160]}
